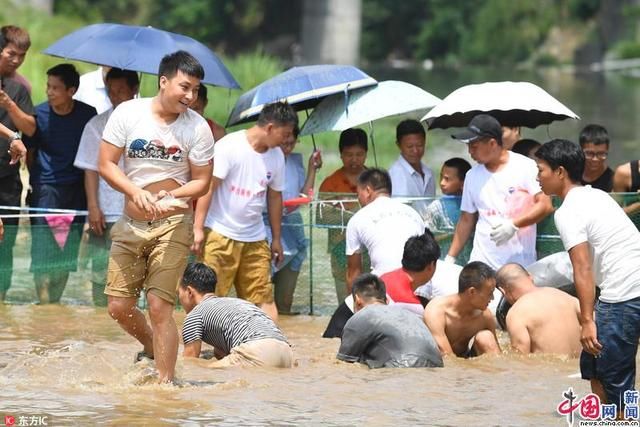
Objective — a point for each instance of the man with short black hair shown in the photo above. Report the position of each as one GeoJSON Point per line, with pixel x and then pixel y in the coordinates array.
{"type": "Point", "coordinates": [382, 226]}
{"type": "Point", "coordinates": [604, 248]}
{"type": "Point", "coordinates": [418, 266]}
{"type": "Point", "coordinates": [594, 141]}
{"type": "Point", "coordinates": [383, 336]}
{"type": "Point", "coordinates": [501, 199]}
{"type": "Point", "coordinates": [462, 324]}
{"type": "Point", "coordinates": [248, 177]}
{"type": "Point", "coordinates": [14, 44]}
{"type": "Point", "coordinates": [167, 149]}
{"type": "Point", "coordinates": [410, 177]}
{"type": "Point", "coordinates": [56, 183]}
{"type": "Point", "coordinates": [16, 116]}
{"type": "Point", "coordinates": [241, 333]}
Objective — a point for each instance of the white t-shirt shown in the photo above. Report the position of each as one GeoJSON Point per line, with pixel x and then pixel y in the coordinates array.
{"type": "Point", "coordinates": [383, 227]}
{"type": "Point", "coordinates": [237, 204]}
{"type": "Point", "coordinates": [153, 151]}
{"type": "Point", "coordinates": [507, 193]}
{"type": "Point", "coordinates": [406, 181]}
{"type": "Point", "coordinates": [111, 201]}
{"type": "Point", "coordinates": [93, 91]}
{"type": "Point", "coordinates": [591, 215]}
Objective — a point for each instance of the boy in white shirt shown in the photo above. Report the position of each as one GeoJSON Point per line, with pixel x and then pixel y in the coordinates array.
{"type": "Point", "coordinates": [604, 248]}
{"type": "Point", "coordinates": [248, 176]}
{"type": "Point", "coordinates": [168, 150]}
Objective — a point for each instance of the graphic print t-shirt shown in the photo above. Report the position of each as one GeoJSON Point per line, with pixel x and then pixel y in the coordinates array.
{"type": "Point", "coordinates": [154, 152]}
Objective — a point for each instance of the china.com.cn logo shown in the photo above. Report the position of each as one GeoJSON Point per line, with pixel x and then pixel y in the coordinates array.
{"type": "Point", "coordinates": [590, 407]}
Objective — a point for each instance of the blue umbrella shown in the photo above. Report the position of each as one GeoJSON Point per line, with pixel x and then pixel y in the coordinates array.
{"type": "Point", "coordinates": [302, 87]}
{"type": "Point", "coordinates": [138, 49]}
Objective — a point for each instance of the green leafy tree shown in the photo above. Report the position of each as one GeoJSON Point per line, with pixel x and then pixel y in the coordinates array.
{"type": "Point", "coordinates": [390, 27]}
{"type": "Point", "coordinates": [507, 31]}
{"type": "Point", "coordinates": [440, 34]}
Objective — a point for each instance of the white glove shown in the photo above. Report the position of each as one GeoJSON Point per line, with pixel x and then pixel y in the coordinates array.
{"type": "Point", "coordinates": [502, 232]}
{"type": "Point", "coordinates": [450, 259]}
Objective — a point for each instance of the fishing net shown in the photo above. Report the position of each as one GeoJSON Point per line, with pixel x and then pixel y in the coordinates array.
{"type": "Point", "coordinates": [65, 247]}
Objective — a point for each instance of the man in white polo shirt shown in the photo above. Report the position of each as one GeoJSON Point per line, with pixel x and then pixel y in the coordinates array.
{"type": "Point", "coordinates": [604, 248]}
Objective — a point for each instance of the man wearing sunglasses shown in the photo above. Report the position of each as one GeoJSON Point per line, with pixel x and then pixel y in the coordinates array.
{"type": "Point", "coordinates": [594, 141]}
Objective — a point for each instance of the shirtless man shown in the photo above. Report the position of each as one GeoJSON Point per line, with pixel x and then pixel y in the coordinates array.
{"type": "Point", "coordinates": [168, 151]}
{"type": "Point", "coordinates": [554, 329]}
{"type": "Point", "coordinates": [462, 324]}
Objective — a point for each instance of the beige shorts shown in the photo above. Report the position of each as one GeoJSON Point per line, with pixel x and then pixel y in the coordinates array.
{"type": "Point", "coordinates": [268, 352]}
{"type": "Point", "coordinates": [247, 265]}
{"type": "Point", "coordinates": [149, 255]}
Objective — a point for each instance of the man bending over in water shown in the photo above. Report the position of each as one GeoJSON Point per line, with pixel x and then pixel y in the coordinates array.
{"type": "Point", "coordinates": [553, 329]}
{"type": "Point", "coordinates": [461, 323]}
{"type": "Point", "coordinates": [382, 335]}
{"type": "Point", "coordinates": [241, 333]}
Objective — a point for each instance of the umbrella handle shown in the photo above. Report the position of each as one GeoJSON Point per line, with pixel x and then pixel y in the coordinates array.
{"type": "Point", "coordinates": [373, 144]}
{"type": "Point", "coordinates": [313, 140]}
{"type": "Point", "coordinates": [346, 99]}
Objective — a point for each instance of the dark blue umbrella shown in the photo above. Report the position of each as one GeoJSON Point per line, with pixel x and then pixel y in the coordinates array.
{"type": "Point", "coordinates": [138, 49]}
{"type": "Point", "coordinates": [302, 87]}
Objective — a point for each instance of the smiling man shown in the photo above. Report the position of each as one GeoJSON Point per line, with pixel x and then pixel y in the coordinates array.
{"type": "Point", "coordinates": [167, 149]}
{"type": "Point", "coordinates": [604, 248]}
{"type": "Point", "coordinates": [55, 182]}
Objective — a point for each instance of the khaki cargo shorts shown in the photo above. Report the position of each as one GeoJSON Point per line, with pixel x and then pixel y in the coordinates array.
{"type": "Point", "coordinates": [247, 265]}
{"type": "Point", "coordinates": [149, 255]}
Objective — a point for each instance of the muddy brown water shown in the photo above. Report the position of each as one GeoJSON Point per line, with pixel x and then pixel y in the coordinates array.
{"type": "Point", "coordinates": [75, 366]}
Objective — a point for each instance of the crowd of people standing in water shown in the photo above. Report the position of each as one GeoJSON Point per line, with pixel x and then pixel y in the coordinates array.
{"type": "Point", "coordinates": [145, 162]}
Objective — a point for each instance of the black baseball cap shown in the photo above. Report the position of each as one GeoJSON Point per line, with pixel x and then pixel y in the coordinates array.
{"type": "Point", "coordinates": [481, 126]}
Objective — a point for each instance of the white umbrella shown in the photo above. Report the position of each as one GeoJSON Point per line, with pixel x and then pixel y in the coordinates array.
{"type": "Point", "coordinates": [389, 98]}
{"type": "Point", "coordinates": [511, 103]}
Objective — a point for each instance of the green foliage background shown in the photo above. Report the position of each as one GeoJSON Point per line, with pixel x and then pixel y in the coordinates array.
{"type": "Point", "coordinates": [456, 31]}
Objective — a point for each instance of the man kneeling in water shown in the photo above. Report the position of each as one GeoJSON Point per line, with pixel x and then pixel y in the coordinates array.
{"type": "Point", "coordinates": [240, 332]}
{"type": "Point", "coordinates": [461, 323]}
{"type": "Point", "coordinates": [385, 336]}
{"type": "Point", "coordinates": [541, 320]}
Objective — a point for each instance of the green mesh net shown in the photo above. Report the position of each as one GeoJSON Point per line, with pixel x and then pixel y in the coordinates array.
{"type": "Point", "coordinates": [321, 284]}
